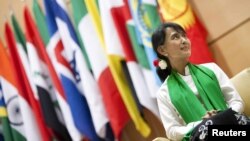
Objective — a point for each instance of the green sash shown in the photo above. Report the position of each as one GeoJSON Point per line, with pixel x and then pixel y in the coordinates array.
{"type": "Point", "coordinates": [187, 104]}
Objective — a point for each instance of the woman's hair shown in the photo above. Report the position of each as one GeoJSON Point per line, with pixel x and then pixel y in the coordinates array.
{"type": "Point", "coordinates": [158, 39]}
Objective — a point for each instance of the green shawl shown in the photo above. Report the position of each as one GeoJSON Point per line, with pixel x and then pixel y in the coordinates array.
{"type": "Point", "coordinates": [187, 104]}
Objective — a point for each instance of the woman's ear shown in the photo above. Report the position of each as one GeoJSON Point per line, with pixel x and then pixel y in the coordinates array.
{"type": "Point", "coordinates": [162, 50]}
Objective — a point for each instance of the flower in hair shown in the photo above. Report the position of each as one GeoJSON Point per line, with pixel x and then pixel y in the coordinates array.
{"type": "Point", "coordinates": [156, 62]}
{"type": "Point", "coordinates": [162, 64]}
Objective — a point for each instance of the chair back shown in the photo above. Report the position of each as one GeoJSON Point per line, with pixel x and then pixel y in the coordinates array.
{"type": "Point", "coordinates": [241, 82]}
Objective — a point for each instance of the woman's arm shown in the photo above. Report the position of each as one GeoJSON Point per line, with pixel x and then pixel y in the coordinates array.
{"type": "Point", "coordinates": [174, 126]}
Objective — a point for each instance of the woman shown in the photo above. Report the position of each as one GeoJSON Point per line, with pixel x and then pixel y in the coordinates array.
{"type": "Point", "coordinates": [189, 93]}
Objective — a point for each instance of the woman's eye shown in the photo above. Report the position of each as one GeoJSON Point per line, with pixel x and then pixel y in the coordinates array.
{"type": "Point", "coordinates": [184, 35]}
{"type": "Point", "coordinates": [176, 36]}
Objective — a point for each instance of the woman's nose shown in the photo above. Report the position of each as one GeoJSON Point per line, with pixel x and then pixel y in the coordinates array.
{"type": "Point", "coordinates": [183, 40]}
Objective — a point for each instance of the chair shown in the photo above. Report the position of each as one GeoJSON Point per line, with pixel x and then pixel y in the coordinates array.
{"type": "Point", "coordinates": [161, 139]}
{"type": "Point", "coordinates": [241, 82]}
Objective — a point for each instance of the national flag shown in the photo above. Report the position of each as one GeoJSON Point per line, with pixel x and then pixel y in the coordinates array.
{"type": "Point", "coordinates": [146, 19]}
{"type": "Point", "coordinates": [121, 16]}
{"type": "Point", "coordinates": [71, 67]}
{"type": "Point", "coordinates": [141, 57]}
{"type": "Point", "coordinates": [75, 135]}
{"type": "Point", "coordinates": [43, 84]}
{"type": "Point", "coordinates": [180, 11]}
{"type": "Point", "coordinates": [16, 85]}
{"type": "Point", "coordinates": [12, 119]}
{"type": "Point", "coordinates": [25, 89]}
{"type": "Point", "coordinates": [114, 105]}
{"type": "Point", "coordinates": [115, 57]}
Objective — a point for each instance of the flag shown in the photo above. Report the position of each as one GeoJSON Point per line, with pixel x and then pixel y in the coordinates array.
{"type": "Point", "coordinates": [17, 85]}
{"type": "Point", "coordinates": [141, 57]}
{"type": "Point", "coordinates": [115, 56]}
{"type": "Point", "coordinates": [121, 17]}
{"type": "Point", "coordinates": [12, 119]}
{"type": "Point", "coordinates": [43, 84]}
{"type": "Point", "coordinates": [114, 105]}
{"type": "Point", "coordinates": [146, 19]}
{"type": "Point", "coordinates": [180, 11]}
{"type": "Point", "coordinates": [71, 67]}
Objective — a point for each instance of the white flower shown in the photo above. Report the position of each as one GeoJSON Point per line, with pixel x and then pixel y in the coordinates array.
{"type": "Point", "coordinates": [163, 64]}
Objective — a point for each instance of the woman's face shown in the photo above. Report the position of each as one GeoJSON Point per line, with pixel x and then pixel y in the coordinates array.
{"type": "Point", "coordinates": [176, 46]}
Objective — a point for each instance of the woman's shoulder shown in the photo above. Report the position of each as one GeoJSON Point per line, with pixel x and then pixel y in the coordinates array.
{"type": "Point", "coordinates": [211, 65]}
{"type": "Point", "coordinates": [163, 90]}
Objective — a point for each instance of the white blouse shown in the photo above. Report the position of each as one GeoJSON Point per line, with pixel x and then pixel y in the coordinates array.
{"type": "Point", "coordinates": [174, 125]}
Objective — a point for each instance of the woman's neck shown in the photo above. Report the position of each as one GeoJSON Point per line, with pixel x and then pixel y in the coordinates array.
{"type": "Point", "coordinates": [180, 67]}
